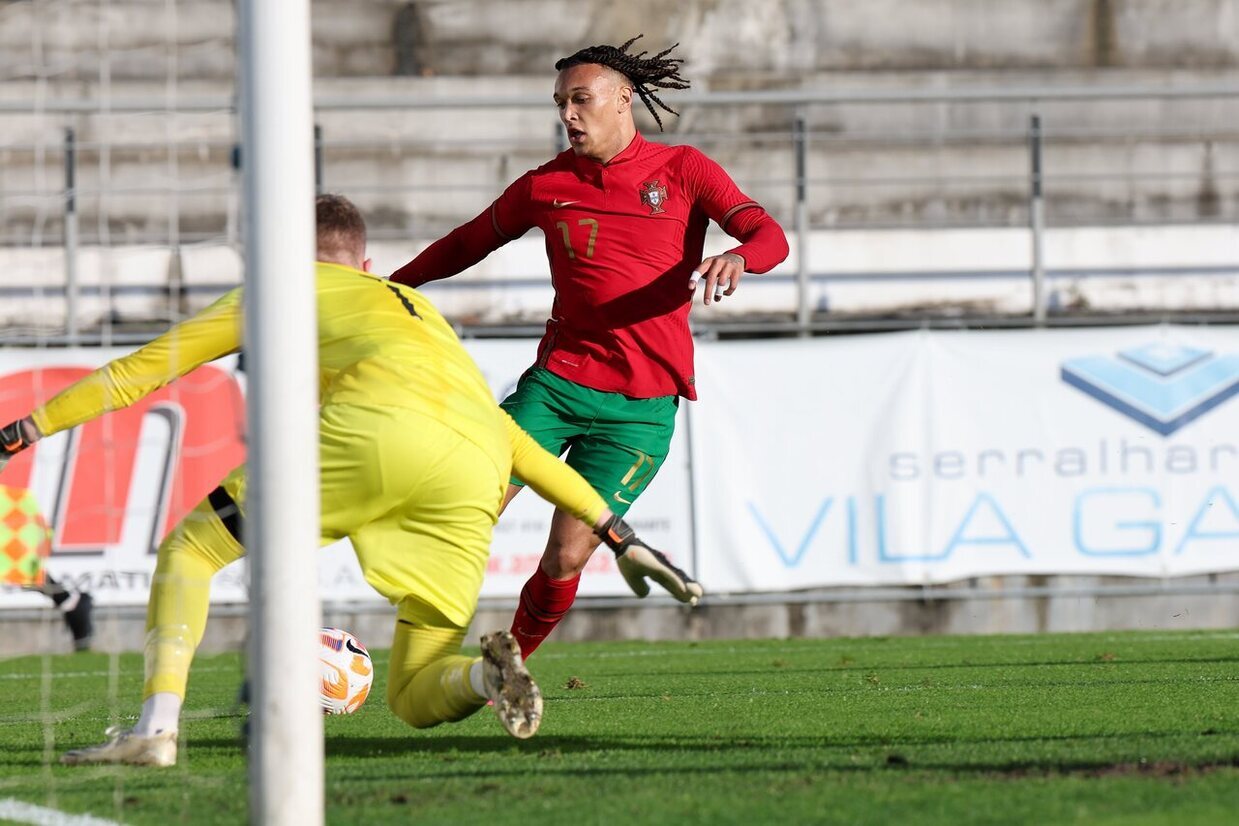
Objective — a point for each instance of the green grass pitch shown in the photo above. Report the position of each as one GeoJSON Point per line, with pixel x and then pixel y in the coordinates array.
{"type": "Point", "coordinates": [1131, 728]}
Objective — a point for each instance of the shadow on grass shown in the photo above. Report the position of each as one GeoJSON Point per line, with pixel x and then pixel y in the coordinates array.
{"type": "Point", "coordinates": [368, 745]}
{"type": "Point", "coordinates": [556, 757]}
{"type": "Point", "coordinates": [498, 757]}
{"type": "Point", "coordinates": [881, 667]}
{"type": "Point", "coordinates": [416, 743]}
{"type": "Point", "coordinates": [473, 759]}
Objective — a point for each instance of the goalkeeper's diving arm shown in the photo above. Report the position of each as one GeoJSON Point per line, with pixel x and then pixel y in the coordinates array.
{"type": "Point", "coordinates": [214, 332]}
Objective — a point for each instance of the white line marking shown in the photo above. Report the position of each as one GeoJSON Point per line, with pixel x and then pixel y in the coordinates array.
{"type": "Point", "coordinates": [19, 811]}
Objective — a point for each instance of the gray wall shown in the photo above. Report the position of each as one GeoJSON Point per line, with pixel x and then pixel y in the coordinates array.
{"type": "Point", "coordinates": [122, 629]}
{"type": "Point", "coordinates": [733, 43]}
{"type": "Point", "coordinates": [166, 179]}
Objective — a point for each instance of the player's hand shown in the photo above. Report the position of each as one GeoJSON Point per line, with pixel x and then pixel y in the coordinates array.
{"type": "Point", "coordinates": [16, 437]}
{"type": "Point", "coordinates": [721, 274]}
{"type": "Point", "coordinates": [637, 561]}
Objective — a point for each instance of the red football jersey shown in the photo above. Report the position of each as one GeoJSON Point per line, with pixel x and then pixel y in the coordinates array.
{"type": "Point", "coordinates": [623, 239]}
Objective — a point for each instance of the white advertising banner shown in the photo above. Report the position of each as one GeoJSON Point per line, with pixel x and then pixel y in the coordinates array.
{"type": "Point", "coordinates": [904, 458]}
{"type": "Point", "coordinates": [928, 457]}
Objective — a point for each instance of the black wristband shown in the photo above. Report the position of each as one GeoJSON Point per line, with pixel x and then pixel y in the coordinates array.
{"type": "Point", "coordinates": [13, 438]}
{"type": "Point", "coordinates": [617, 535]}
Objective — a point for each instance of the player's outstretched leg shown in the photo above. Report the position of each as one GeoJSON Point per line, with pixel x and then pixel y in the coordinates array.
{"type": "Point", "coordinates": [78, 618]}
{"type": "Point", "coordinates": [509, 685]}
{"type": "Point", "coordinates": [75, 606]}
{"type": "Point", "coordinates": [543, 603]}
{"type": "Point", "coordinates": [123, 746]}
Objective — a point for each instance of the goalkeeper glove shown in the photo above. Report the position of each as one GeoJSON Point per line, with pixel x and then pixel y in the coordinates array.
{"type": "Point", "coordinates": [14, 438]}
{"type": "Point", "coordinates": [636, 561]}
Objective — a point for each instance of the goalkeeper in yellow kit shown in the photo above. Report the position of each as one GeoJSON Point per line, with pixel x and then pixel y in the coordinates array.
{"type": "Point", "coordinates": [415, 457]}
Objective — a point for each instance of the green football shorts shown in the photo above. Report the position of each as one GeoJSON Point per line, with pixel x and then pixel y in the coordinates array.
{"type": "Point", "coordinates": [616, 442]}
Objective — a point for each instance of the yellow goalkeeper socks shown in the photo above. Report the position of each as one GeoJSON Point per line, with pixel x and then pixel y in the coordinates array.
{"type": "Point", "coordinates": [440, 692]}
{"type": "Point", "coordinates": [430, 681]}
{"type": "Point", "coordinates": [168, 653]}
{"type": "Point", "coordinates": [176, 615]}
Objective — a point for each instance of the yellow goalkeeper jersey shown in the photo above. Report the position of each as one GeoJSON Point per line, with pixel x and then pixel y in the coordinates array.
{"type": "Point", "coordinates": [379, 344]}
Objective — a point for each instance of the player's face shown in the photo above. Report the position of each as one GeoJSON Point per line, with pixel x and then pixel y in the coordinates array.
{"type": "Point", "coordinates": [594, 106]}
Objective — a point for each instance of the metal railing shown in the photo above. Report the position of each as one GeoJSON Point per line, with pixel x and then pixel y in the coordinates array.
{"type": "Point", "coordinates": [799, 136]}
{"type": "Point", "coordinates": [1036, 179]}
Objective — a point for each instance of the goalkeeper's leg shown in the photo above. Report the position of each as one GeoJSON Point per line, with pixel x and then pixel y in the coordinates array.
{"type": "Point", "coordinates": [427, 554]}
{"type": "Point", "coordinates": [431, 682]}
{"type": "Point", "coordinates": [204, 542]}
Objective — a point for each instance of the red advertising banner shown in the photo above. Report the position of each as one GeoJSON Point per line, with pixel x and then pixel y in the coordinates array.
{"type": "Point", "coordinates": [205, 414]}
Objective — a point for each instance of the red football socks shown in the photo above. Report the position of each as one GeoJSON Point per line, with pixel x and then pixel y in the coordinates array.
{"type": "Point", "coordinates": [544, 601]}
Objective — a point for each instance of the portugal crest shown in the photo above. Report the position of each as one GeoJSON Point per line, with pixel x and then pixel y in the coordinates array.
{"type": "Point", "coordinates": [654, 195]}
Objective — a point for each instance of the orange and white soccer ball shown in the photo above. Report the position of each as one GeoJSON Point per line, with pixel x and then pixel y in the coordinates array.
{"type": "Point", "coordinates": [347, 672]}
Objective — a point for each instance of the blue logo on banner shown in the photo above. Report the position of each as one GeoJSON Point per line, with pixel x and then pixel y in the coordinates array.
{"type": "Point", "coordinates": [1162, 386]}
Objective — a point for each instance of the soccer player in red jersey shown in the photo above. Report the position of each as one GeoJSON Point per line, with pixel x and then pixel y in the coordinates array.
{"type": "Point", "coordinates": [625, 223]}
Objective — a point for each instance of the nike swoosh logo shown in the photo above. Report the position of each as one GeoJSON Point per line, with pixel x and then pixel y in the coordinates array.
{"type": "Point", "coordinates": [349, 645]}
{"type": "Point", "coordinates": [621, 499]}
{"type": "Point", "coordinates": [556, 204]}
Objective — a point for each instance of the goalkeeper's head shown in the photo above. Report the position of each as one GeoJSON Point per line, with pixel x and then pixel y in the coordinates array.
{"type": "Point", "coordinates": [341, 232]}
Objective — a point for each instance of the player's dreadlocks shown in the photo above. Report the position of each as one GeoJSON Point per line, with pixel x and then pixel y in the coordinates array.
{"type": "Point", "coordinates": [659, 71]}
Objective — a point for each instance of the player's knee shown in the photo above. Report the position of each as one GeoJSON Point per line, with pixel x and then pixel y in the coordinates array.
{"type": "Point", "coordinates": [567, 557]}
{"type": "Point", "coordinates": [563, 565]}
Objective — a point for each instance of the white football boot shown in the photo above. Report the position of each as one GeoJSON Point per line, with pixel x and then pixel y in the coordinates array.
{"type": "Point", "coordinates": [509, 685]}
{"type": "Point", "coordinates": [123, 746]}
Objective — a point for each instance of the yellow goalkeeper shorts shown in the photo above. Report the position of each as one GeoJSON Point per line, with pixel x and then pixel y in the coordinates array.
{"type": "Point", "coordinates": [417, 500]}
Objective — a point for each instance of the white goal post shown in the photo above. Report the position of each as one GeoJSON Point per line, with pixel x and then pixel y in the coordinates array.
{"type": "Point", "coordinates": [282, 528]}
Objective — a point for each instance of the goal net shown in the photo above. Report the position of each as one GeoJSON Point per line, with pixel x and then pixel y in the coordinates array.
{"type": "Point", "coordinates": [120, 215]}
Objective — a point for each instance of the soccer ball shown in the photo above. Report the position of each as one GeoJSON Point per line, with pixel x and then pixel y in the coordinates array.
{"type": "Point", "coordinates": [347, 672]}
